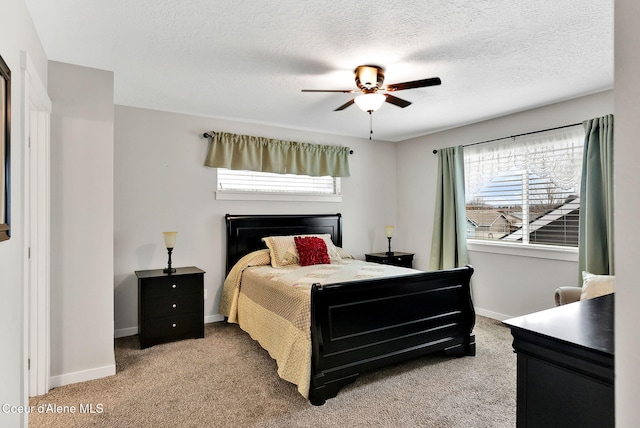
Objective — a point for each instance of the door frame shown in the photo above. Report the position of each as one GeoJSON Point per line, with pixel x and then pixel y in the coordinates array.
{"type": "Point", "coordinates": [37, 209]}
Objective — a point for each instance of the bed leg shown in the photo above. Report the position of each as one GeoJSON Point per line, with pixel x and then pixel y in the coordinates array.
{"type": "Point", "coordinates": [324, 390]}
{"type": "Point", "coordinates": [465, 349]}
{"type": "Point", "coordinates": [317, 401]}
{"type": "Point", "coordinates": [317, 397]}
{"type": "Point", "coordinates": [470, 347]}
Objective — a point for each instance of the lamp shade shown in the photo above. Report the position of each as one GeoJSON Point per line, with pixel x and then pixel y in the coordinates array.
{"type": "Point", "coordinates": [370, 102]}
{"type": "Point", "coordinates": [388, 230]}
{"type": "Point", "coordinates": [170, 239]}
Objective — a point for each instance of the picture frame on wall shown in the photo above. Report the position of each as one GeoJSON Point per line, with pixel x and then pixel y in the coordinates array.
{"type": "Point", "coordinates": [5, 136]}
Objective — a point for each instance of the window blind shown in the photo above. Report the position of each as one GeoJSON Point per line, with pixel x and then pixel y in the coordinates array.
{"type": "Point", "coordinates": [525, 189]}
{"type": "Point", "coordinates": [252, 181]}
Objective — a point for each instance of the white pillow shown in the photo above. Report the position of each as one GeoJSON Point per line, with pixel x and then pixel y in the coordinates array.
{"type": "Point", "coordinates": [343, 254]}
{"type": "Point", "coordinates": [282, 250]}
{"type": "Point", "coordinates": [596, 285]}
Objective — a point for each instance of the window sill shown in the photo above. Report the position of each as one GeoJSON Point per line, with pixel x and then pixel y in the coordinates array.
{"type": "Point", "coordinates": [278, 197]}
{"type": "Point", "coordinates": [521, 250]}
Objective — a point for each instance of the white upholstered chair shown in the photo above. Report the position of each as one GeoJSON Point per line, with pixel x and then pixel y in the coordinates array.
{"type": "Point", "coordinates": [592, 286]}
{"type": "Point", "coordinates": [567, 294]}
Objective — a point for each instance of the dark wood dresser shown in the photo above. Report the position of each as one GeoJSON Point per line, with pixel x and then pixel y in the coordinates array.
{"type": "Point", "coordinates": [396, 258]}
{"type": "Point", "coordinates": [566, 365]}
{"type": "Point", "coordinates": [170, 306]}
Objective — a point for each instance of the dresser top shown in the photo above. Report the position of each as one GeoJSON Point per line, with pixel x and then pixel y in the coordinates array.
{"type": "Point", "coordinates": [154, 273]}
{"type": "Point", "coordinates": [587, 324]}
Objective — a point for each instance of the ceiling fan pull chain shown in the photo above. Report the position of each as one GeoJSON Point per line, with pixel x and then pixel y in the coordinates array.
{"type": "Point", "coordinates": [370, 124]}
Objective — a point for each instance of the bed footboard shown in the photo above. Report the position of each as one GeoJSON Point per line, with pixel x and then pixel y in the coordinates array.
{"type": "Point", "coordinates": [363, 325]}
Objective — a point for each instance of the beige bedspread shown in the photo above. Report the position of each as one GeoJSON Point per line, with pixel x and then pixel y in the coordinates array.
{"type": "Point", "coordinates": [273, 305]}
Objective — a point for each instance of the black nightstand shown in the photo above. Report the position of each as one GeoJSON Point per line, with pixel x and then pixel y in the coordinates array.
{"type": "Point", "coordinates": [396, 258]}
{"type": "Point", "coordinates": [170, 306]}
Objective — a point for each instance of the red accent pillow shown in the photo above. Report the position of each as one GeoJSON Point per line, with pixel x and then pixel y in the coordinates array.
{"type": "Point", "coordinates": [311, 250]}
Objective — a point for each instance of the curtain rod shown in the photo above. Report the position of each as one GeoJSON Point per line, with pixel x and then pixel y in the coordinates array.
{"type": "Point", "coordinates": [517, 135]}
{"type": "Point", "coordinates": [207, 135]}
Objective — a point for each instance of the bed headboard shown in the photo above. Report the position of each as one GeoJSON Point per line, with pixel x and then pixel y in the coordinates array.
{"type": "Point", "coordinates": [245, 232]}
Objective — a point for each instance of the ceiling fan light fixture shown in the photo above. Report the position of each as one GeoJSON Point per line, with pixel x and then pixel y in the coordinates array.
{"type": "Point", "coordinates": [370, 102]}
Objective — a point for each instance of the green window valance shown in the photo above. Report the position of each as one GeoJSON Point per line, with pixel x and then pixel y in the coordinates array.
{"type": "Point", "coordinates": [233, 151]}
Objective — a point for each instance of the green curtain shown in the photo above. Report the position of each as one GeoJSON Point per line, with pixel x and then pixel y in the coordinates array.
{"type": "Point", "coordinates": [449, 242]}
{"type": "Point", "coordinates": [595, 246]}
{"type": "Point", "coordinates": [245, 152]}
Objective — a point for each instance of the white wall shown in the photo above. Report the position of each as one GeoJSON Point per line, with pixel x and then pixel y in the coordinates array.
{"type": "Point", "coordinates": [627, 205]}
{"type": "Point", "coordinates": [17, 35]}
{"type": "Point", "coordinates": [503, 285]}
{"type": "Point", "coordinates": [81, 223]}
{"type": "Point", "coordinates": [161, 184]}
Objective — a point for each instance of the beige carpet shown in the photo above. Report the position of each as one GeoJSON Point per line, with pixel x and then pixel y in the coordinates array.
{"type": "Point", "coordinates": [227, 380]}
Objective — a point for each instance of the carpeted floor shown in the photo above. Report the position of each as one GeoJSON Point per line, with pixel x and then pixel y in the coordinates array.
{"type": "Point", "coordinates": [227, 380]}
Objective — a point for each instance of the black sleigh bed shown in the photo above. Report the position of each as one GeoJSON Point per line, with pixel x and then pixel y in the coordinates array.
{"type": "Point", "coordinates": [358, 326]}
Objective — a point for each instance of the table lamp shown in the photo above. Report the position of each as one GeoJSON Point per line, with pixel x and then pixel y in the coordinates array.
{"type": "Point", "coordinates": [388, 230]}
{"type": "Point", "coordinates": [170, 242]}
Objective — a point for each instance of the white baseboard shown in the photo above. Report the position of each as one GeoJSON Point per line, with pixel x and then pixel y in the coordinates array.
{"type": "Point", "coordinates": [124, 332]}
{"type": "Point", "coordinates": [132, 331]}
{"type": "Point", "coordinates": [81, 376]}
{"type": "Point", "coordinates": [213, 318]}
{"type": "Point", "coordinates": [492, 315]}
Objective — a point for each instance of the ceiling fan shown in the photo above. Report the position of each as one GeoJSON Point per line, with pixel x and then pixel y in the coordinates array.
{"type": "Point", "coordinates": [369, 80]}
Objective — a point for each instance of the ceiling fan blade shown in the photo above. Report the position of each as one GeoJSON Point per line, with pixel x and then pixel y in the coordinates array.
{"type": "Point", "coordinates": [345, 105]}
{"type": "Point", "coordinates": [433, 81]}
{"type": "Point", "coordinates": [397, 101]}
{"type": "Point", "coordinates": [344, 91]}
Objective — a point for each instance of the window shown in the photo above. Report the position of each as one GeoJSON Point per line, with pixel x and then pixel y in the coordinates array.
{"type": "Point", "coordinates": [241, 184]}
{"type": "Point", "coordinates": [525, 189]}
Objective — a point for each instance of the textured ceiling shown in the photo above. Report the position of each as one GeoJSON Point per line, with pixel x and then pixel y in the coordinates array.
{"type": "Point", "coordinates": [248, 60]}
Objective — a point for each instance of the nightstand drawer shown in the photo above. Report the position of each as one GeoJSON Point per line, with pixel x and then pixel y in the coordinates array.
{"type": "Point", "coordinates": [174, 325]}
{"type": "Point", "coordinates": [391, 260]}
{"type": "Point", "coordinates": [396, 259]}
{"type": "Point", "coordinates": [170, 305]}
{"type": "Point", "coordinates": [172, 286]}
